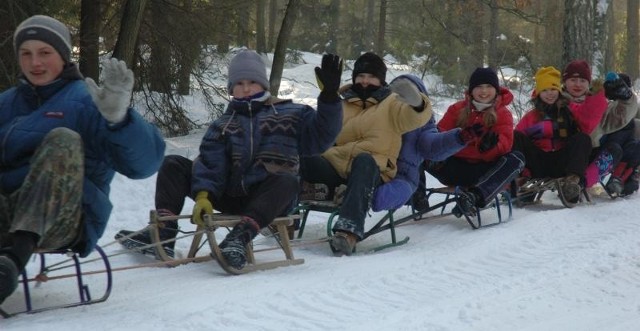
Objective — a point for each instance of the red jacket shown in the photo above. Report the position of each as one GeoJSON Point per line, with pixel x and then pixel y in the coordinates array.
{"type": "Point", "coordinates": [503, 127]}
{"type": "Point", "coordinates": [589, 112]}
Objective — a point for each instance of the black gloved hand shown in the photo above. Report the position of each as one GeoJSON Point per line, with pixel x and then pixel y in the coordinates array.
{"type": "Point", "coordinates": [328, 77]}
{"type": "Point", "coordinates": [470, 133]}
{"type": "Point", "coordinates": [616, 89]}
{"type": "Point", "coordinates": [488, 141]}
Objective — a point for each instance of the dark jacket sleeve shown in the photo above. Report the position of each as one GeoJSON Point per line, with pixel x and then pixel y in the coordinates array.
{"type": "Point", "coordinates": [211, 167]}
{"type": "Point", "coordinates": [320, 128]}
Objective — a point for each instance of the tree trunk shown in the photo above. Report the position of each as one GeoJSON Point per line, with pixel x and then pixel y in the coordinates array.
{"type": "Point", "coordinates": [578, 36]}
{"type": "Point", "coordinates": [382, 28]}
{"type": "Point", "coordinates": [187, 57]}
{"type": "Point", "coordinates": [632, 67]}
{"type": "Point", "coordinates": [90, 38]}
{"type": "Point", "coordinates": [334, 16]}
{"type": "Point", "coordinates": [610, 53]}
{"type": "Point", "coordinates": [261, 45]}
{"type": "Point", "coordinates": [279, 54]}
{"type": "Point", "coordinates": [160, 58]}
{"type": "Point", "coordinates": [273, 14]}
{"type": "Point", "coordinates": [129, 28]}
{"type": "Point", "coordinates": [492, 45]}
{"type": "Point", "coordinates": [369, 34]}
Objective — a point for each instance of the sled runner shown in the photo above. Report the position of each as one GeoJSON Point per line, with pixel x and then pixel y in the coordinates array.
{"type": "Point", "coordinates": [388, 221]}
{"type": "Point", "coordinates": [216, 221]}
{"type": "Point", "coordinates": [46, 274]}
{"type": "Point", "coordinates": [531, 192]}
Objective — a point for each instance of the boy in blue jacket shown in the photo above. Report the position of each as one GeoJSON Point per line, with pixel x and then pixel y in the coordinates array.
{"type": "Point", "coordinates": [61, 141]}
{"type": "Point", "coordinates": [249, 157]}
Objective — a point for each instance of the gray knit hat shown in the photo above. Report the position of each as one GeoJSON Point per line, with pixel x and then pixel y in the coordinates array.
{"type": "Point", "coordinates": [247, 65]}
{"type": "Point", "coordinates": [45, 29]}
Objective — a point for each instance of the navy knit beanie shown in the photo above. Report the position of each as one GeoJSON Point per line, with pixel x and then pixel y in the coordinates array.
{"type": "Point", "coordinates": [45, 29]}
{"type": "Point", "coordinates": [247, 65]}
{"type": "Point", "coordinates": [370, 63]}
{"type": "Point", "coordinates": [484, 76]}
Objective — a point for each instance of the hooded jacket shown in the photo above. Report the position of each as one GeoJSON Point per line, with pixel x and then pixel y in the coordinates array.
{"type": "Point", "coordinates": [374, 126]}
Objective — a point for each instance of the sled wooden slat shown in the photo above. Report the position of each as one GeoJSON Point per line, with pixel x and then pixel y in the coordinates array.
{"type": "Point", "coordinates": [215, 221]}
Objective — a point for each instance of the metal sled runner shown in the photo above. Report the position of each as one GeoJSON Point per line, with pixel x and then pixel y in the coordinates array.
{"type": "Point", "coordinates": [84, 293]}
{"type": "Point", "coordinates": [388, 221]}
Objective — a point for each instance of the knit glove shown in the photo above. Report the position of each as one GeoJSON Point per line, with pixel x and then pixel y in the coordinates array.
{"type": "Point", "coordinates": [615, 88]}
{"type": "Point", "coordinates": [328, 77]}
{"type": "Point", "coordinates": [407, 92]}
{"type": "Point", "coordinates": [114, 97]}
{"type": "Point", "coordinates": [488, 141]}
{"type": "Point", "coordinates": [203, 206]}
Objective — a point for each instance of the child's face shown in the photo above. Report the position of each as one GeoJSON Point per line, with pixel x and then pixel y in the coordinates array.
{"type": "Point", "coordinates": [576, 86]}
{"type": "Point", "coordinates": [549, 96]}
{"type": "Point", "coordinates": [246, 88]}
{"type": "Point", "coordinates": [484, 93]}
{"type": "Point", "coordinates": [365, 80]}
{"type": "Point", "coordinates": [40, 62]}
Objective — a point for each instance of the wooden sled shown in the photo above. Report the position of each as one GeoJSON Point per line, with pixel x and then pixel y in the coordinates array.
{"type": "Point", "coordinates": [155, 223]}
{"type": "Point", "coordinates": [531, 192]}
{"type": "Point", "coordinates": [216, 221]}
{"type": "Point", "coordinates": [85, 295]}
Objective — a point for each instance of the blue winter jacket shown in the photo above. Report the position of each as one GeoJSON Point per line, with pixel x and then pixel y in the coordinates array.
{"type": "Point", "coordinates": [424, 143]}
{"type": "Point", "coordinates": [253, 139]}
{"type": "Point", "coordinates": [133, 148]}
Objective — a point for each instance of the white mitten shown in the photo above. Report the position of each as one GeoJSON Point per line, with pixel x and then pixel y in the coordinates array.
{"type": "Point", "coordinates": [114, 97]}
{"type": "Point", "coordinates": [407, 92]}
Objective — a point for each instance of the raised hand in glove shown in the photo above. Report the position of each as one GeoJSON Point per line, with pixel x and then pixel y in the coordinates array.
{"type": "Point", "coordinates": [488, 141]}
{"type": "Point", "coordinates": [203, 206]}
{"type": "Point", "coordinates": [470, 133]}
{"type": "Point", "coordinates": [328, 77]}
{"type": "Point", "coordinates": [615, 88]}
{"type": "Point", "coordinates": [407, 92]}
{"type": "Point", "coordinates": [113, 98]}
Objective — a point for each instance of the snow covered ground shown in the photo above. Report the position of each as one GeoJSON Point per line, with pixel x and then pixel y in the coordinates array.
{"type": "Point", "coordinates": [549, 268]}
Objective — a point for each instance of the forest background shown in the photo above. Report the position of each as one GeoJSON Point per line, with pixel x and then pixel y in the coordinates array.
{"type": "Point", "coordinates": [179, 48]}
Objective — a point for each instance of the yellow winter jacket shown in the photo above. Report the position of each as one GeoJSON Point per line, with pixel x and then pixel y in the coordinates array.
{"type": "Point", "coordinates": [374, 126]}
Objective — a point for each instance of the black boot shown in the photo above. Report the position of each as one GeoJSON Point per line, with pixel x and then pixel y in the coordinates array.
{"type": "Point", "coordinates": [168, 231]}
{"type": "Point", "coordinates": [8, 277]}
{"type": "Point", "coordinates": [13, 259]}
{"type": "Point", "coordinates": [233, 247]}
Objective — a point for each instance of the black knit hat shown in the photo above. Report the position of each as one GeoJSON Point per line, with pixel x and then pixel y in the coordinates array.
{"type": "Point", "coordinates": [370, 63]}
{"type": "Point", "coordinates": [483, 76]}
{"type": "Point", "coordinates": [45, 29]}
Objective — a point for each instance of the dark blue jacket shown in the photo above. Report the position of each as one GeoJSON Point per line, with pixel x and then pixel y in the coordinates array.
{"type": "Point", "coordinates": [133, 148]}
{"type": "Point", "coordinates": [424, 143]}
{"type": "Point", "coordinates": [254, 139]}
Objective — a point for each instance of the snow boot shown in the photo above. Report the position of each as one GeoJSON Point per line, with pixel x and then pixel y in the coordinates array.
{"type": "Point", "coordinates": [571, 188]}
{"type": "Point", "coordinates": [343, 243]}
{"type": "Point", "coordinates": [8, 277]}
{"type": "Point", "coordinates": [233, 247]}
{"type": "Point", "coordinates": [466, 204]}
{"type": "Point", "coordinates": [142, 241]}
{"type": "Point", "coordinates": [419, 200]}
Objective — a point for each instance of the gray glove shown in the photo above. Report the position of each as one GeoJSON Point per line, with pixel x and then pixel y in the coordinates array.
{"type": "Point", "coordinates": [114, 97]}
{"type": "Point", "coordinates": [407, 92]}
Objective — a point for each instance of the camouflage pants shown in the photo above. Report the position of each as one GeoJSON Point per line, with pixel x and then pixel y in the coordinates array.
{"type": "Point", "coordinates": [49, 202]}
